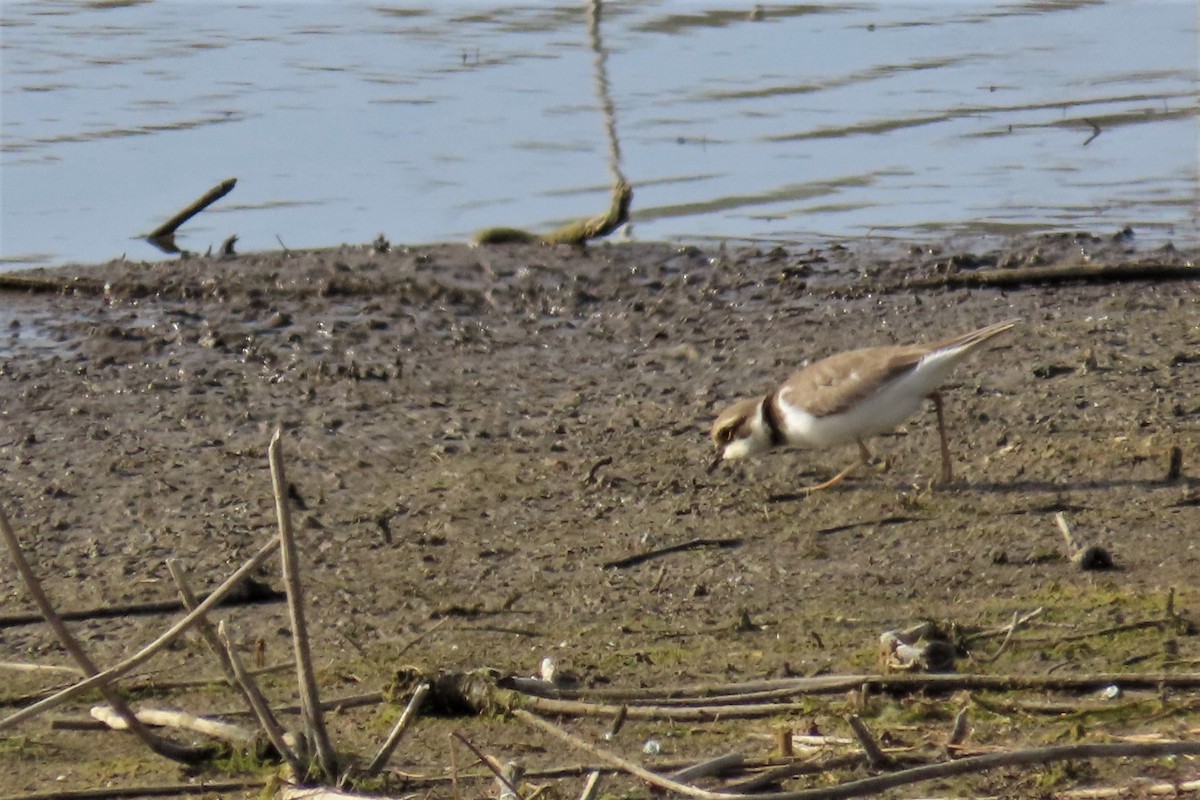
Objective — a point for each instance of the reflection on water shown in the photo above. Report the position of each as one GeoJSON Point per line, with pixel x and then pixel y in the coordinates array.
{"type": "Point", "coordinates": [821, 120]}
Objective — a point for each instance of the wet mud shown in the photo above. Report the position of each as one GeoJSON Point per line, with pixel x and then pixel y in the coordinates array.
{"type": "Point", "coordinates": [477, 437]}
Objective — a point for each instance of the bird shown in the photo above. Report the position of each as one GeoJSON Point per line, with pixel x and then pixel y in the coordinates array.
{"type": "Point", "coordinates": [848, 397]}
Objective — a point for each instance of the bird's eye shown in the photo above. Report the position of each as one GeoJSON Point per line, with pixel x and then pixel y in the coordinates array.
{"type": "Point", "coordinates": [725, 435]}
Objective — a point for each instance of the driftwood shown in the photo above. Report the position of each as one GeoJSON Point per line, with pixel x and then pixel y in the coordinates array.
{"type": "Point", "coordinates": [578, 232]}
{"type": "Point", "coordinates": [591, 785]}
{"type": "Point", "coordinates": [17, 666]}
{"type": "Point", "coordinates": [163, 237]}
{"type": "Point", "coordinates": [507, 775]}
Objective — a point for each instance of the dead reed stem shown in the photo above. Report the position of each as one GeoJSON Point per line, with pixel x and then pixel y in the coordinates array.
{"type": "Point", "coordinates": [309, 696]}
{"type": "Point", "coordinates": [163, 747]}
{"type": "Point", "coordinates": [143, 655]}
{"type": "Point", "coordinates": [406, 718]}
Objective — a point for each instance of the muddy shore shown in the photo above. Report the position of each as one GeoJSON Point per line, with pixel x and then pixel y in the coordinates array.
{"type": "Point", "coordinates": [473, 434]}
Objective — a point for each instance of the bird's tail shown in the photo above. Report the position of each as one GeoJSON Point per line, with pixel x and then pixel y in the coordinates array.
{"type": "Point", "coordinates": [969, 341]}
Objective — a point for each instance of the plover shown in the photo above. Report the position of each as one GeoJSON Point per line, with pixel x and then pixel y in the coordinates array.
{"type": "Point", "coordinates": [848, 397]}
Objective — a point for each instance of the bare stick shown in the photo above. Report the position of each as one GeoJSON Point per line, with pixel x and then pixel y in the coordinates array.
{"type": "Point", "coordinates": [1072, 543]}
{"type": "Point", "coordinates": [875, 755]}
{"type": "Point", "coordinates": [258, 703]}
{"type": "Point", "coordinates": [590, 786]}
{"type": "Point", "coordinates": [208, 788]}
{"type": "Point", "coordinates": [238, 675]}
{"type": "Point", "coordinates": [624, 764]}
{"type": "Point", "coordinates": [1006, 630]}
{"type": "Point", "coordinates": [143, 655]}
{"type": "Point", "coordinates": [714, 766]}
{"type": "Point", "coordinates": [309, 698]}
{"type": "Point", "coordinates": [402, 724]}
{"type": "Point", "coordinates": [961, 728]}
{"type": "Point", "coordinates": [1008, 638]}
{"type": "Point", "coordinates": [203, 626]}
{"type": "Point", "coordinates": [453, 771]}
{"type": "Point", "coordinates": [177, 719]}
{"type": "Point", "coordinates": [16, 666]}
{"type": "Point", "coordinates": [163, 237]}
{"type": "Point", "coordinates": [495, 766]}
{"type": "Point", "coordinates": [876, 784]}
{"type": "Point", "coordinates": [668, 700]}
{"type": "Point", "coordinates": [162, 747]}
{"type": "Point", "coordinates": [508, 778]}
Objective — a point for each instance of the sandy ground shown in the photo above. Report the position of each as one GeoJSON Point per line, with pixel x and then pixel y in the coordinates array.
{"type": "Point", "coordinates": [472, 434]}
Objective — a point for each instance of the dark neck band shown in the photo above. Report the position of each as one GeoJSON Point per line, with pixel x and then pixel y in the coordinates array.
{"type": "Point", "coordinates": [770, 414]}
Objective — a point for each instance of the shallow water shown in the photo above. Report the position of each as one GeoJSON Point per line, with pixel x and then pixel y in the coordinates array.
{"type": "Point", "coordinates": [342, 121]}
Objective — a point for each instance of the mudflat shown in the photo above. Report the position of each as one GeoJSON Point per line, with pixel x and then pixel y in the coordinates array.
{"type": "Point", "coordinates": [476, 437]}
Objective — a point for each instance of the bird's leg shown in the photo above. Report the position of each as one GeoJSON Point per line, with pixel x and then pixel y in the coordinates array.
{"type": "Point", "coordinates": [947, 468]}
{"type": "Point", "coordinates": [864, 455]}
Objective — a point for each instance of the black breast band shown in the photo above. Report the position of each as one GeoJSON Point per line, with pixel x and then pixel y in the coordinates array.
{"type": "Point", "coordinates": [770, 413]}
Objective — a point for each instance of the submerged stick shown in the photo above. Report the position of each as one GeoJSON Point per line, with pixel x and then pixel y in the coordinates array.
{"type": "Point", "coordinates": [163, 237]}
{"type": "Point", "coordinates": [310, 700]}
{"type": "Point", "coordinates": [143, 655]}
{"type": "Point", "coordinates": [163, 747]}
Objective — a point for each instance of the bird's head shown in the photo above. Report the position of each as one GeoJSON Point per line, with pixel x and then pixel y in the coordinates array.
{"type": "Point", "coordinates": [740, 431]}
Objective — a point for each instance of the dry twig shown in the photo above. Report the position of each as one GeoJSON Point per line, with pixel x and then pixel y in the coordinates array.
{"type": "Point", "coordinates": [161, 718]}
{"type": "Point", "coordinates": [163, 747]}
{"type": "Point", "coordinates": [402, 724]}
{"type": "Point", "coordinates": [231, 664]}
{"type": "Point", "coordinates": [143, 655]}
{"type": "Point", "coordinates": [875, 755]}
{"type": "Point", "coordinates": [879, 783]}
{"type": "Point", "coordinates": [257, 702]}
{"type": "Point", "coordinates": [309, 697]}
{"type": "Point", "coordinates": [495, 766]}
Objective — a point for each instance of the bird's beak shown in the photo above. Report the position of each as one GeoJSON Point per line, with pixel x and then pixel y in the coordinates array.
{"type": "Point", "coordinates": [715, 463]}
